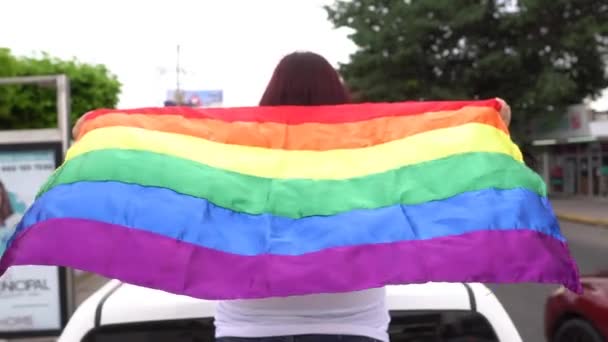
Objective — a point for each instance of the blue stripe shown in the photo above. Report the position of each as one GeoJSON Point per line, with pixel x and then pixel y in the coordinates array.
{"type": "Point", "coordinates": [200, 222]}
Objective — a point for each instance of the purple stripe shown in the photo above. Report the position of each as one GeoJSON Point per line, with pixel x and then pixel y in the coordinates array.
{"type": "Point", "coordinates": [151, 260]}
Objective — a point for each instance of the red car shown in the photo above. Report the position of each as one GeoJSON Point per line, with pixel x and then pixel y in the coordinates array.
{"type": "Point", "coordinates": [571, 318]}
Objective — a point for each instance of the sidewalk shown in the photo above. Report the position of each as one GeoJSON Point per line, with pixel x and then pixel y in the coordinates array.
{"type": "Point", "coordinates": [86, 285]}
{"type": "Point", "coordinates": [581, 210]}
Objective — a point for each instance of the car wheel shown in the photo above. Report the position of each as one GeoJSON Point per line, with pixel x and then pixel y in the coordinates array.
{"type": "Point", "coordinates": [577, 330]}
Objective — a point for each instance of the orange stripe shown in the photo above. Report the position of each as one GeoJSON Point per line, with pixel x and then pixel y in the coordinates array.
{"type": "Point", "coordinates": [309, 136]}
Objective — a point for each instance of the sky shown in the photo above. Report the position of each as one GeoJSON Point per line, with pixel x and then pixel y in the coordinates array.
{"type": "Point", "coordinates": [231, 45]}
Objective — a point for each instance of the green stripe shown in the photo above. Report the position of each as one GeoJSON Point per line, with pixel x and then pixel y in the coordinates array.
{"type": "Point", "coordinates": [295, 198]}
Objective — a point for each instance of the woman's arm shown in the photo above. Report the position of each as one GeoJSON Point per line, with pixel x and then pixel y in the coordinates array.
{"type": "Point", "coordinates": [77, 126]}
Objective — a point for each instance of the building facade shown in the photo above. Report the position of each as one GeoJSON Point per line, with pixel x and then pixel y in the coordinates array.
{"type": "Point", "coordinates": [573, 158]}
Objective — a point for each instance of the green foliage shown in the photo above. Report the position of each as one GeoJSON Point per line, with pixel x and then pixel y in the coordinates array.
{"type": "Point", "coordinates": [34, 106]}
{"type": "Point", "coordinates": [540, 55]}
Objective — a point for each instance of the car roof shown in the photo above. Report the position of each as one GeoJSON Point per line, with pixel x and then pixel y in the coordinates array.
{"type": "Point", "coordinates": [125, 303]}
{"type": "Point", "coordinates": [119, 303]}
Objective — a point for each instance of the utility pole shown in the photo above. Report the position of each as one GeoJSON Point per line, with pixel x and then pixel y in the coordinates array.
{"type": "Point", "coordinates": [178, 93]}
{"type": "Point", "coordinates": [179, 98]}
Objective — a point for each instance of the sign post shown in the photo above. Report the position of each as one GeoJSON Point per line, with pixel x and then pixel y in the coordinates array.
{"type": "Point", "coordinates": [35, 301]}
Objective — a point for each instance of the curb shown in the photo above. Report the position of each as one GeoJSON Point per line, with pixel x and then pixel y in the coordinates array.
{"type": "Point", "coordinates": [583, 219]}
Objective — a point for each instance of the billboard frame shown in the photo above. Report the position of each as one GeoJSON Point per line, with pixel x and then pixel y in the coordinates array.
{"type": "Point", "coordinates": [58, 140]}
{"type": "Point", "coordinates": [62, 272]}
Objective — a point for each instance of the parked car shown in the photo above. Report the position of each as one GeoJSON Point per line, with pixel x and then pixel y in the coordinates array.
{"type": "Point", "coordinates": [570, 317]}
{"type": "Point", "coordinates": [431, 312]}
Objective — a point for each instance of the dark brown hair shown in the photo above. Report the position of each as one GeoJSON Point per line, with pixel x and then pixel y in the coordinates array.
{"type": "Point", "coordinates": [304, 79]}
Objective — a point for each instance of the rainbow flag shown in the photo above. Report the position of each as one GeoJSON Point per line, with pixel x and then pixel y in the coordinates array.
{"type": "Point", "coordinates": [279, 201]}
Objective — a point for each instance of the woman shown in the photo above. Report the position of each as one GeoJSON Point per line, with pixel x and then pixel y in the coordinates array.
{"type": "Point", "coordinates": [306, 79]}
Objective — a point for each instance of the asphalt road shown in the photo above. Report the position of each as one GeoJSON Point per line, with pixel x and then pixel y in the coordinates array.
{"type": "Point", "coordinates": [525, 303]}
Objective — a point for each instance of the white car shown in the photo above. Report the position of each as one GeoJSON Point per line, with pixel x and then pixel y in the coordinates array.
{"type": "Point", "coordinates": [431, 312]}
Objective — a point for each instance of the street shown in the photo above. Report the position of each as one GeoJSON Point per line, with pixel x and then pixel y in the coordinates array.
{"type": "Point", "coordinates": [525, 303]}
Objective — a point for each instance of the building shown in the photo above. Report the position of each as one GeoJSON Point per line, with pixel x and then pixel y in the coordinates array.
{"type": "Point", "coordinates": [573, 157]}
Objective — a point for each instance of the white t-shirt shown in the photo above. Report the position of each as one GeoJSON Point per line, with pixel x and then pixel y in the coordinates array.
{"type": "Point", "coordinates": [361, 313]}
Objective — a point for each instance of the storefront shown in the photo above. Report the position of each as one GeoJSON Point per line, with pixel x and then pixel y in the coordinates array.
{"type": "Point", "coordinates": [574, 157]}
{"type": "Point", "coordinates": [576, 168]}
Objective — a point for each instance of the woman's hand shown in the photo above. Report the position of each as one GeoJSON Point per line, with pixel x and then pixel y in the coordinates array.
{"type": "Point", "coordinates": [505, 111]}
{"type": "Point", "coordinates": [77, 126]}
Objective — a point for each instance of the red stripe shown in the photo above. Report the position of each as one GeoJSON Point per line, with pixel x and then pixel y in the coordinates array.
{"type": "Point", "coordinates": [301, 114]}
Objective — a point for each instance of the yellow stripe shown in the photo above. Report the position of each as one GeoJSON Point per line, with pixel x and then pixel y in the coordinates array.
{"type": "Point", "coordinates": [332, 164]}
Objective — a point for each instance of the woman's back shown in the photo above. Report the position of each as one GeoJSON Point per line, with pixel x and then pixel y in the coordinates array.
{"type": "Point", "coordinates": [306, 79]}
{"type": "Point", "coordinates": [361, 313]}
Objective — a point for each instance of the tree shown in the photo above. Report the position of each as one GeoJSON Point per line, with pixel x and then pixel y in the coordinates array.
{"type": "Point", "coordinates": [539, 55]}
{"type": "Point", "coordinates": [31, 106]}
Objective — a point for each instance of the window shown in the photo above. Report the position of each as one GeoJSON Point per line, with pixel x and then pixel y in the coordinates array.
{"type": "Point", "coordinates": [199, 330]}
{"type": "Point", "coordinates": [410, 326]}
{"type": "Point", "coordinates": [440, 326]}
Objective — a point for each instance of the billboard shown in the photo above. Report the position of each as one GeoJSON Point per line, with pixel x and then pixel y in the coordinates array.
{"type": "Point", "coordinates": [195, 98]}
{"type": "Point", "coordinates": [32, 298]}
